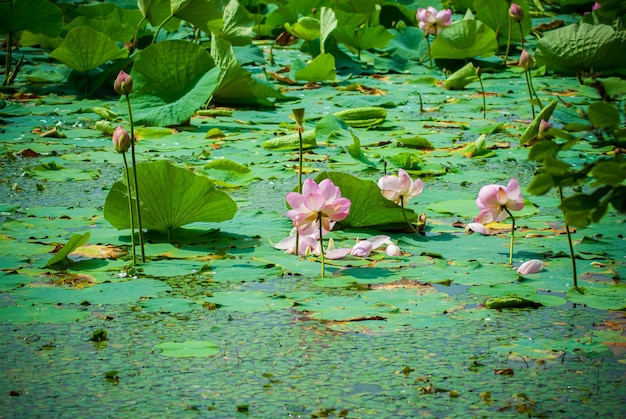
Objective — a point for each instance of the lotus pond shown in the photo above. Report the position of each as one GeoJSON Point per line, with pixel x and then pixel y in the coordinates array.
{"type": "Point", "coordinates": [217, 322]}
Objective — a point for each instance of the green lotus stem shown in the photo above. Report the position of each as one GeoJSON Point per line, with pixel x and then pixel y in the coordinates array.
{"type": "Point", "coordinates": [136, 182]}
{"type": "Point", "coordinates": [407, 218]}
{"type": "Point", "coordinates": [521, 32]}
{"type": "Point", "coordinates": [7, 64]}
{"type": "Point", "coordinates": [430, 57]}
{"type": "Point", "coordinates": [482, 88]}
{"type": "Point", "coordinates": [569, 243]}
{"type": "Point", "coordinates": [421, 104]}
{"type": "Point", "coordinates": [512, 236]}
{"type": "Point", "coordinates": [160, 27]}
{"type": "Point", "coordinates": [532, 88]}
{"type": "Point", "coordinates": [508, 42]}
{"type": "Point", "coordinates": [300, 156]}
{"type": "Point", "coordinates": [319, 220]}
{"type": "Point", "coordinates": [130, 209]}
{"type": "Point", "coordinates": [530, 91]}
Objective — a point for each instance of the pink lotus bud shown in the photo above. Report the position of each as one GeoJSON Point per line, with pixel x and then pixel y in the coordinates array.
{"type": "Point", "coordinates": [392, 250]}
{"type": "Point", "coordinates": [516, 12]}
{"type": "Point", "coordinates": [526, 60]}
{"type": "Point", "coordinates": [121, 140]}
{"type": "Point", "coordinates": [595, 6]}
{"type": "Point", "coordinates": [530, 267]}
{"type": "Point", "coordinates": [544, 126]}
{"type": "Point", "coordinates": [123, 83]}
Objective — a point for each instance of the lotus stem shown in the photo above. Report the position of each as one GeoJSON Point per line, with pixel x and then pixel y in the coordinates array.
{"type": "Point", "coordinates": [300, 156]}
{"type": "Point", "coordinates": [569, 243]}
{"type": "Point", "coordinates": [135, 181]}
{"type": "Point", "coordinates": [7, 63]}
{"type": "Point", "coordinates": [508, 42]}
{"type": "Point", "coordinates": [530, 91]}
{"type": "Point", "coordinates": [156, 34]}
{"type": "Point", "coordinates": [319, 220]}
{"type": "Point", "coordinates": [482, 88]}
{"type": "Point", "coordinates": [130, 209]}
{"type": "Point", "coordinates": [532, 88]}
{"type": "Point", "coordinates": [407, 218]}
{"type": "Point", "coordinates": [521, 32]}
{"type": "Point", "coordinates": [512, 236]}
{"type": "Point", "coordinates": [430, 57]}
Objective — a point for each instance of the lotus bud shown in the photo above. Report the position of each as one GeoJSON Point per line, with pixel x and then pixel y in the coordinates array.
{"type": "Point", "coordinates": [392, 250]}
{"type": "Point", "coordinates": [595, 6]}
{"type": "Point", "coordinates": [526, 60]}
{"type": "Point", "coordinates": [516, 12]}
{"type": "Point", "coordinates": [123, 83]}
{"type": "Point", "coordinates": [121, 140]}
{"type": "Point", "coordinates": [297, 115]}
{"type": "Point", "coordinates": [530, 267]}
{"type": "Point", "coordinates": [479, 72]}
{"type": "Point", "coordinates": [544, 127]}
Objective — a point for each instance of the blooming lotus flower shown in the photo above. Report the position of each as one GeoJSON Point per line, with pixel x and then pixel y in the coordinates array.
{"type": "Point", "coordinates": [432, 21]}
{"type": "Point", "coordinates": [516, 12]}
{"type": "Point", "coordinates": [400, 188]}
{"type": "Point", "coordinates": [321, 202]}
{"type": "Point", "coordinates": [121, 140]}
{"type": "Point", "coordinates": [494, 201]}
{"type": "Point", "coordinates": [123, 83]}
{"type": "Point", "coordinates": [530, 267]}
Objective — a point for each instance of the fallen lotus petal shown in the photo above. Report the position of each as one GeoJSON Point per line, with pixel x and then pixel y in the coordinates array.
{"type": "Point", "coordinates": [530, 267]}
{"type": "Point", "coordinates": [478, 228]}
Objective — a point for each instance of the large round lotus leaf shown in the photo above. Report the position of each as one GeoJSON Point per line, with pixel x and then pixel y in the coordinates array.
{"type": "Point", "coordinates": [172, 79]}
{"type": "Point", "coordinates": [37, 16]}
{"type": "Point", "coordinates": [496, 15]}
{"type": "Point", "coordinates": [171, 197]}
{"type": "Point", "coordinates": [84, 49]}
{"type": "Point", "coordinates": [581, 47]}
{"type": "Point", "coordinates": [465, 39]}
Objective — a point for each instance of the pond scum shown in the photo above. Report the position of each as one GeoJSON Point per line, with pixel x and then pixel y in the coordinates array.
{"type": "Point", "coordinates": [476, 271]}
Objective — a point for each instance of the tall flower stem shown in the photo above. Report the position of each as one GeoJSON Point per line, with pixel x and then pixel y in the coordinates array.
{"type": "Point", "coordinates": [569, 243]}
{"type": "Point", "coordinates": [508, 42]}
{"type": "Point", "coordinates": [482, 89]}
{"type": "Point", "coordinates": [530, 91]}
{"type": "Point", "coordinates": [319, 220]}
{"type": "Point", "coordinates": [430, 57]}
{"type": "Point", "coordinates": [298, 116]}
{"type": "Point", "coordinates": [512, 235]}
{"type": "Point", "coordinates": [521, 33]}
{"type": "Point", "coordinates": [135, 181]}
{"type": "Point", "coordinates": [130, 209]}
{"type": "Point", "coordinates": [532, 88]}
{"type": "Point", "coordinates": [407, 218]}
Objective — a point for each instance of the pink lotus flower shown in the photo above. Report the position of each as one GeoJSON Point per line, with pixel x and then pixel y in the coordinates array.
{"type": "Point", "coordinates": [530, 267]}
{"type": "Point", "coordinates": [321, 202]}
{"type": "Point", "coordinates": [477, 227]}
{"type": "Point", "coordinates": [596, 6]}
{"type": "Point", "coordinates": [400, 188]}
{"type": "Point", "coordinates": [494, 201]}
{"type": "Point", "coordinates": [432, 21]}
{"type": "Point", "coordinates": [307, 244]}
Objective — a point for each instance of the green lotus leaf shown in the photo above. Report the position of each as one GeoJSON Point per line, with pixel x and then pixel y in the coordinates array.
{"type": "Point", "coordinates": [84, 49]}
{"type": "Point", "coordinates": [581, 47]}
{"type": "Point", "coordinates": [533, 129]}
{"type": "Point", "coordinates": [112, 28]}
{"type": "Point", "coordinates": [306, 28]}
{"type": "Point", "coordinates": [462, 77]}
{"type": "Point", "coordinates": [205, 14]}
{"type": "Point", "coordinates": [36, 16]}
{"type": "Point", "coordinates": [60, 258]}
{"type": "Point", "coordinates": [359, 39]}
{"type": "Point", "coordinates": [156, 12]}
{"type": "Point", "coordinates": [172, 79]}
{"type": "Point", "coordinates": [464, 39]}
{"type": "Point", "coordinates": [369, 207]}
{"type": "Point", "coordinates": [321, 68]}
{"type": "Point", "coordinates": [496, 15]}
{"type": "Point", "coordinates": [171, 197]}
{"type": "Point", "coordinates": [189, 348]}
{"type": "Point", "coordinates": [227, 173]}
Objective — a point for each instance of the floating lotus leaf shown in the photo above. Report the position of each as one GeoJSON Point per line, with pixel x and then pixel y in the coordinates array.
{"type": "Point", "coordinates": [190, 348]}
